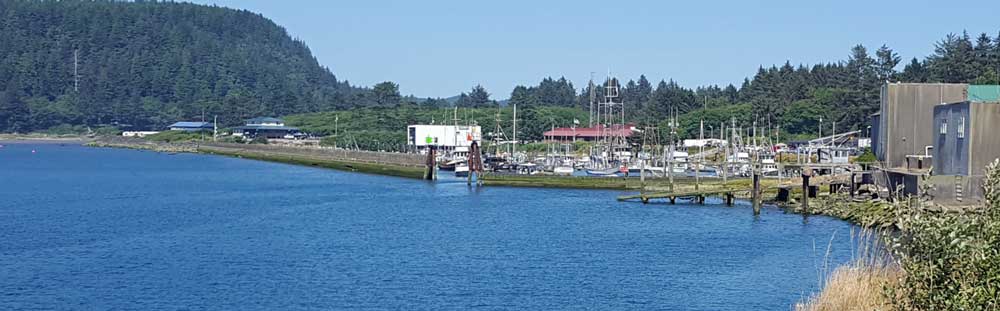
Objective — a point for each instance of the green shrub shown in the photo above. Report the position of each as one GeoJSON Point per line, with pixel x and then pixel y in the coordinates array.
{"type": "Point", "coordinates": [66, 129]}
{"type": "Point", "coordinates": [952, 262]}
{"type": "Point", "coordinates": [232, 139]}
{"type": "Point", "coordinates": [175, 136]}
{"type": "Point", "coordinates": [259, 140]}
{"type": "Point", "coordinates": [108, 131]}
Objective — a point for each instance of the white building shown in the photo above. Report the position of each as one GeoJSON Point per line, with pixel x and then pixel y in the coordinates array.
{"type": "Point", "coordinates": [446, 137]}
{"type": "Point", "coordinates": [708, 142]}
{"type": "Point", "coordinates": [138, 133]}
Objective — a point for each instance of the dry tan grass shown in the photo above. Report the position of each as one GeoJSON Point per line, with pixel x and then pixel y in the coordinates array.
{"type": "Point", "coordinates": [854, 288]}
{"type": "Point", "coordinates": [860, 285]}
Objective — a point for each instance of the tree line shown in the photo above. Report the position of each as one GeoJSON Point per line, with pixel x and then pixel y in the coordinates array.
{"type": "Point", "coordinates": [790, 97]}
{"type": "Point", "coordinates": [146, 64]}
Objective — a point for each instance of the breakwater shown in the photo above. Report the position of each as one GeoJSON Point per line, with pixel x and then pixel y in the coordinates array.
{"type": "Point", "coordinates": [383, 163]}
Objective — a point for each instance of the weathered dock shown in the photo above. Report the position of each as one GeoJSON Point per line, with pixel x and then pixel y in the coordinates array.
{"type": "Point", "coordinates": [728, 194]}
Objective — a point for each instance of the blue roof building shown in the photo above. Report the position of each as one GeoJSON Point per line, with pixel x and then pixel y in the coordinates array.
{"type": "Point", "coordinates": [191, 126]}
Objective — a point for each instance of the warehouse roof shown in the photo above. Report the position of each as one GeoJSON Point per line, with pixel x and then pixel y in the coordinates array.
{"type": "Point", "coordinates": [185, 124]}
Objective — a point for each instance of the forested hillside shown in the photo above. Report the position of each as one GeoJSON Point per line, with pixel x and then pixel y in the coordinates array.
{"type": "Point", "coordinates": [147, 64]}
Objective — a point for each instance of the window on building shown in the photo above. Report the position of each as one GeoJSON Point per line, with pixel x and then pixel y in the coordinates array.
{"type": "Point", "coordinates": [961, 127]}
{"type": "Point", "coordinates": [944, 127]}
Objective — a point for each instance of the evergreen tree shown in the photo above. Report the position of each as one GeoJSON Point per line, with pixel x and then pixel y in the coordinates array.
{"type": "Point", "coordinates": [523, 97]}
{"type": "Point", "coordinates": [916, 72]}
{"type": "Point", "coordinates": [386, 94]}
{"type": "Point", "coordinates": [886, 63]}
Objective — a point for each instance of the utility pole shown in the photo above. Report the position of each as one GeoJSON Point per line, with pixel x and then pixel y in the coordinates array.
{"type": "Point", "coordinates": [514, 146]}
{"type": "Point", "coordinates": [215, 128]}
{"type": "Point", "coordinates": [590, 86]}
{"type": "Point", "coordinates": [76, 70]}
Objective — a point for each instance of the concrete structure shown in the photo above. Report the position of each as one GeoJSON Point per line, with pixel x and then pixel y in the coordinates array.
{"type": "Point", "coordinates": [268, 128]}
{"type": "Point", "coordinates": [445, 137]}
{"type": "Point", "coordinates": [571, 134]}
{"type": "Point", "coordinates": [708, 142]}
{"type": "Point", "coordinates": [191, 126]}
{"type": "Point", "coordinates": [904, 124]}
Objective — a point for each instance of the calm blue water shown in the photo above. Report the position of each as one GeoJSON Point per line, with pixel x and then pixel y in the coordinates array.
{"type": "Point", "coordinates": [84, 228]}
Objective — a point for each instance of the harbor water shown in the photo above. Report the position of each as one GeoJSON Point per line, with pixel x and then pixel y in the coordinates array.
{"type": "Point", "coordinates": [89, 228]}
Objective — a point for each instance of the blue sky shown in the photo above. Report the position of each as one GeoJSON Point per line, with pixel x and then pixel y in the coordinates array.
{"type": "Point", "coordinates": [442, 48]}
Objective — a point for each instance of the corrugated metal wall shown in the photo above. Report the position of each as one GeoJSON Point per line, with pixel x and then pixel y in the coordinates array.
{"type": "Point", "coordinates": [874, 134]}
{"type": "Point", "coordinates": [951, 152]}
{"type": "Point", "coordinates": [907, 116]}
{"type": "Point", "coordinates": [984, 136]}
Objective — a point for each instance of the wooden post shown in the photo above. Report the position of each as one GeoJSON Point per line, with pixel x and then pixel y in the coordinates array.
{"type": "Point", "coordinates": [729, 198]}
{"type": "Point", "coordinates": [431, 165]}
{"type": "Point", "coordinates": [642, 176]}
{"type": "Point", "coordinates": [673, 200]}
{"type": "Point", "coordinates": [670, 169]}
{"type": "Point", "coordinates": [756, 191]}
{"type": "Point", "coordinates": [854, 187]}
{"type": "Point", "coordinates": [697, 173]}
{"type": "Point", "coordinates": [806, 173]}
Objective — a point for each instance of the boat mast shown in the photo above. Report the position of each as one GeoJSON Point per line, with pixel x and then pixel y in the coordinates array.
{"type": "Point", "coordinates": [514, 147]}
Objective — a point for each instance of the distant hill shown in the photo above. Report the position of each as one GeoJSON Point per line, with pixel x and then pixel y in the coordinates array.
{"type": "Point", "coordinates": [144, 65]}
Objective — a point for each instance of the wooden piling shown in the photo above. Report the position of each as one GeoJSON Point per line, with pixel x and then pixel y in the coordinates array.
{"type": "Point", "coordinates": [755, 192]}
{"type": "Point", "coordinates": [854, 186]}
{"type": "Point", "coordinates": [431, 164]}
{"type": "Point", "coordinates": [806, 173]}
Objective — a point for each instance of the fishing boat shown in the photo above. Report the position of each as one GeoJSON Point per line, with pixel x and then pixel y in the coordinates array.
{"type": "Point", "coordinates": [449, 165]}
{"type": "Point", "coordinates": [768, 167]}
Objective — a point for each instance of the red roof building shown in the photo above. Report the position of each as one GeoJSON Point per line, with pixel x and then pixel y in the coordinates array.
{"type": "Point", "coordinates": [569, 134]}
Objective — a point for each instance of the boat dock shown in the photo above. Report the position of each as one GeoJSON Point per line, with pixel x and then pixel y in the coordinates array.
{"type": "Point", "coordinates": [728, 195]}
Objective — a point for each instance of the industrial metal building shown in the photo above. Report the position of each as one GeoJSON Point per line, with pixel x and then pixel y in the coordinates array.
{"type": "Point", "coordinates": [905, 118]}
{"type": "Point", "coordinates": [267, 127]}
{"type": "Point", "coordinates": [937, 134]}
{"type": "Point", "coordinates": [444, 137]}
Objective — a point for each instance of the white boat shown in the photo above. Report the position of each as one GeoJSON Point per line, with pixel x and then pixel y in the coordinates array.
{"type": "Point", "coordinates": [563, 170]}
{"type": "Point", "coordinates": [462, 170]}
{"type": "Point", "coordinates": [604, 172]}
